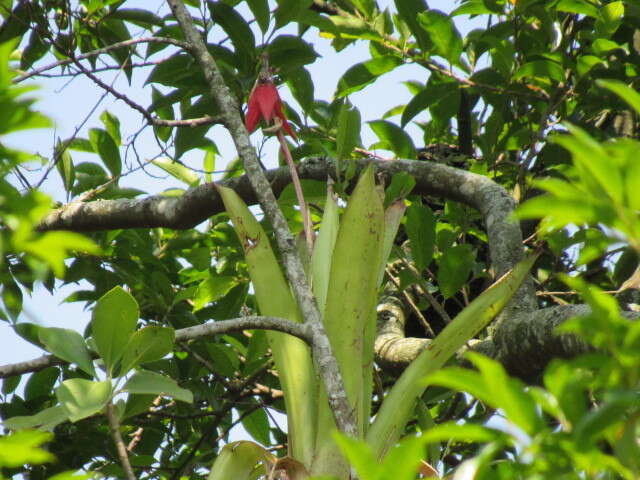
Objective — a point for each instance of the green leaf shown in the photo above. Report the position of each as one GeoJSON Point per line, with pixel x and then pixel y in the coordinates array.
{"type": "Point", "coordinates": [409, 10]}
{"type": "Point", "coordinates": [147, 345]}
{"type": "Point", "coordinates": [53, 248]}
{"type": "Point", "coordinates": [348, 137]}
{"type": "Point", "coordinates": [21, 448]}
{"type": "Point", "coordinates": [288, 52]}
{"type": "Point", "coordinates": [421, 229]}
{"type": "Point", "coordinates": [212, 289]}
{"type": "Point", "coordinates": [546, 71]}
{"type": "Point", "coordinates": [82, 398]}
{"type": "Point", "coordinates": [41, 383]}
{"type": "Point", "coordinates": [582, 7]}
{"type": "Point", "coordinates": [399, 403]}
{"type": "Point", "coordinates": [625, 92]}
{"type": "Point", "coordinates": [177, 170]}
{"type": "Point", "coordinates": [112, 124]}
{"type": "Point", "coordinates": [34, 51]}
{"type": "Point", "coordinates": [146, 382]}
{"type": "Point", "coordinates": [454, 267]}
{"type": "Point", "coordinates": [64, 165]}
{"type": "Point", "coordinates": [103, 144]}
{"type": "Point", "coordinates": [393, 138]}
{"type": "Point", "coordinates": [67, 345]}
{"type": "Point", "coordinates": [114, 319]}
{"type": "Point", "coordinates": [350, 319]}
{"type": "Point", "coordinates": [446, 40]}
{"type": "Point", "coordinates": [260, 10]}
{"type": "Point", "coordinates": [611, 16]}
{"type": "Point", "coordinates": [236, 27]}
{"type": "Point", "coordinates": [237, 460]}
{"type": "Point", "coordinates": [364, 73]}
{"type": "Point", "coordinates": [137, 16]}
{"type": "Point", "coordinates": [323, 250]}
{"type": "Point", "coordinates": [274, 297]}
{"type": "Point", "coordinates": [257, 425]}
{"type": "Point", "coordinates": [301, 86]}
{"type": "Point", "coordinates": [433, 95]}
{"type": "Point", "coordinates": [81, 145]}
{"type": "Point", "coordinates": [367, 7]}
{"type": "Point", "coordinates": [45, 419]}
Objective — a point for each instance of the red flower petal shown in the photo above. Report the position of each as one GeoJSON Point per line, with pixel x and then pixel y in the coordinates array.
{"type": "Point", "coordinates": [265, 103]}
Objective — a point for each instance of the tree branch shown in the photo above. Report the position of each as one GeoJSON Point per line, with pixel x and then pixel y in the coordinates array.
{"type": "Point", "coordinates": [189, 333]}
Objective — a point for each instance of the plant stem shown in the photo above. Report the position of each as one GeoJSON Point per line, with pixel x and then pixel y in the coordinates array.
{"type": "Point", "coordinates": [114, 427]}
{"type": "Point", "coordinates": [306, 215]}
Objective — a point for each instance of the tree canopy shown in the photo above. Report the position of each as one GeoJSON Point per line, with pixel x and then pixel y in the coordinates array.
{"type": "Point", "coordinates": [455, 299]}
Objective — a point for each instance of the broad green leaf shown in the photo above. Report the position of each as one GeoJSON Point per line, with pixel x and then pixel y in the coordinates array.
{"type": "Point", "coordinates": [146, 382]}
{"type": "Point", "coordinates": [432, 96]}
{"type": "Point", "coordinates": [236, 27]}
{"type": "Point", "coordinates": [367, 7]}
{"type": "Point", "coordinates": [469, 432]}
{"type": "Point", "coordinates": [421, 229]}
{"type": "Point", "coordinates": [45, 419]}
{"type": "Point", "coordinates": [81, 145]}
{"type": "Point", "coordinates": [137, 16]}
{"type": "Point", "coordinates": [257, 425]}
{"type": "Point", "coordinates": [290, 10]}
{"type": "Point", "coordinates": [34, 51]}
{"type": "Point", "coordinates": [54, 248]}
{"type": "Point", "coordinates": [364, 73]}
{"type": "Point", "coordinates": [446, 40]}
{"type": "Point", "coordinates": [112, 124]}
{"type": "Point", "coordinates": [393, 138]}
{"type": "Point", "coordinates": [238, 460]}
{"type": "Point", "coordinates": [211, 289]}
{"type": "Point", "coordinates": [260, 10]}
{"type": "Point", "coordinates": [177, 170]}
{"type": "Point", "coordinates": [472, 7]}
{"type": "Point", "coordinates": [398, 405]}
{"type": "Point", "coordinates": [288, 52]}
{"type": "Point", "coordinates": [454, 267]}
{"type": "Point", "coordinates": [583, 7]}
{"type": "Point", "coordinates": [301, 86]}
{"type": "Point", "coordinates": [348, 137]}
{"type": "Point", "coordinates": [21, 448]}
{"type": "Point", "coordinates": [349, 316]}
{"type": "Point", "coordinates": [409, 10]}
{"type": "Point", "coordinates": [611, 16]}
{"type": "Point", "coordinates": [625, 92]}
{"type": "Point", "coordinates": [67, 345]}
{"type": "Point", "coordinates": [546, 71]}
{"type": "Point", "coordinates": [114, 319]}
{"type": "Point", "coordinates": [82, 398]}
{"type": "Point", "coordinates": [147, 345]}
{"type": "Point", "coordinates": [274, 298]}
{"type": "Point", "coordinates": [359, 455]}
{"type": "Point", "coordinates": [106, 148]}
{"type": "Point", "coordinates": [40, 384]}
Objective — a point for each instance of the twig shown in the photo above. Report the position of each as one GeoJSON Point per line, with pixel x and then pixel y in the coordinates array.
{"type": "Point", "coordinates": [99, 51]}
{"type": "Point", "coordinates": [190, 333]}
{"type": "Point", "coordinates": [114, 427]}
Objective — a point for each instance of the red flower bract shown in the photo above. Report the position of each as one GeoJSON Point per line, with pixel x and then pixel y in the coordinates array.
{"type": "Point", "coordinates": [265, 103]}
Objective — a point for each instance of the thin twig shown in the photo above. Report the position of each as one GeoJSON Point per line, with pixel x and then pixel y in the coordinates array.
{"type": "Point", "coordinates": [114, 427]}
{"type": "Point", "coordinates": [99, 51]}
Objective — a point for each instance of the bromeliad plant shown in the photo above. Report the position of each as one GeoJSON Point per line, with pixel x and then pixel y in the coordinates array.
{"type": "Point", "coordinates": [346, 270]}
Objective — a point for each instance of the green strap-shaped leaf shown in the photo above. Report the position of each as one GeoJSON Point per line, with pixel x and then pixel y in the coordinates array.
{"type": "Point", "coordinates": [291, 355]}
{"type": "Point", "coordinates": [349, 315]}
{"type": "Point", "coordinates": [398, 406]}
{"type": "Point", "coordinates": [177, 170]}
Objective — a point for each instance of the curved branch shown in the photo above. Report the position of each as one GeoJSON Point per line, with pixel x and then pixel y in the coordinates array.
{"type": "Point", "coordinates": [199, 203]}
{"type": "Point", "coordinates": [189, 333]}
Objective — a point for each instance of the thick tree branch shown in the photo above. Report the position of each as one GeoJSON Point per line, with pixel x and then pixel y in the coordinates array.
{"type": "Point", "coordinates": [189, 333]}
